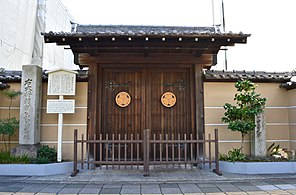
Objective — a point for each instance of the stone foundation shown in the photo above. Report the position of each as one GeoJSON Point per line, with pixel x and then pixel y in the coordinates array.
{"type": "Point", "coordinates": [30, 150]}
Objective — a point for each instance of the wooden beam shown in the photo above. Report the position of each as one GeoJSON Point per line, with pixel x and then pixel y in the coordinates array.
{"type": "Point", "coordinates": [85, 59]}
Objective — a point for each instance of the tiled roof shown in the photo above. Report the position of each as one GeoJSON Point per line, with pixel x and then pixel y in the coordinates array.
{"type": "Point", "coordinates": [10, 76]}
{"type": "Point", "coordinates": [209, 76]}
{"type": "Point", "coordinates": [218, 76]}
{"type": "Point", "coordinates": [142, 30]}
{"type": "Point", "coordinates": [129, 30]}
{"type": "Point", "coordinates": [15, 76]}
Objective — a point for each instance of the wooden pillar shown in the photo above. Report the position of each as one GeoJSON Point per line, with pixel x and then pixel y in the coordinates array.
{"type": "Point", "coordinates": [92, 100]}
{"type": "Point", "coordinates": [199, 105]}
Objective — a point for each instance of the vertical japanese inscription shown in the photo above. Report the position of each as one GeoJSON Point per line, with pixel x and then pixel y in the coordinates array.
{"type": "Point", "coordinates": [27, 95]}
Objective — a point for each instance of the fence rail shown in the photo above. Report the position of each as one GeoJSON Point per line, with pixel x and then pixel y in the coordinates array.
{"type": "Point", "coordinates": [133, 151]}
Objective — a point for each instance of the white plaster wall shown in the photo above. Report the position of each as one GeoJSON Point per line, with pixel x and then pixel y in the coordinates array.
{"type": "Point", "coordinates": [57, 19]}
{"type": "Point", "coordinates": [18, 28]}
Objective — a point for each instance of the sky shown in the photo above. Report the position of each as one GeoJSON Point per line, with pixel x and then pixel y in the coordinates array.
{"type": "Point", "coordinates": [271, 24]}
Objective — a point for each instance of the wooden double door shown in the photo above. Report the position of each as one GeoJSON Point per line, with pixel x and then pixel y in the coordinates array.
{"type": "Point", "coordinates": [134, 99]}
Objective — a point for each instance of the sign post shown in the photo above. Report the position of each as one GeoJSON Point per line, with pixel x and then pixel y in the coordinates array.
{"type": "Point", "coordinates": [60, 134]}
{"type": "Point", "coordinates": [61, 82]}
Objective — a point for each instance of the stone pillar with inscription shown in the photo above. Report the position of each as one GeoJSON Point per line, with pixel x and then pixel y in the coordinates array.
{"type": "Point", "coordinates": [30, 108]}
{"type": "Point", "coordinates": [258, 146]}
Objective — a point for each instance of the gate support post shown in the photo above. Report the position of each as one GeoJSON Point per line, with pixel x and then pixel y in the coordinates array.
{"type": "Point", "coordinates": [75, 170]}
{"type": "Point", "coordinates": [146, 142]}
{"type": "Point", "coordinates": [217, 168]}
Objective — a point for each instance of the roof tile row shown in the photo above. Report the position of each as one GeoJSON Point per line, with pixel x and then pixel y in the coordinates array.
{"type": "Point", "coordinates": [209, 75]}
{"type": "Point", "coordinates": [128, 30]}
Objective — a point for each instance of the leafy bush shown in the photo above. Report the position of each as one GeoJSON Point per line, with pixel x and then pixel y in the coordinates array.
{"type": "Point", "coordinates": [273, 149]}
{"type": "Point", "coordinates": [236, 155]}
{"type": "Point", "coordinates": [40, 160]}
{"type": "Point", "coordinates": [277, 152]}
{"type": "Point", "coordinates": [241, 117]}
{"type": "Point", "coordinates": [45, 152]}
{"type": "Point", "coordinates": [233, 155]}
{"type": "Point", "coordinates": [8, 126]}
{"type": "Point", "coordinates": [6, 158]}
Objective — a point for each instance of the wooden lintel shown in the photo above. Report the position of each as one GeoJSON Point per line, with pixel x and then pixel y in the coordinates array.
{"type": "Point", "coordinates": [85, 59]}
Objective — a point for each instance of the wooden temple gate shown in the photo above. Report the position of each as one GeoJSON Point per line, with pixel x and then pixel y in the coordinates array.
{"type": "Point", "coordinates": [145, 77]}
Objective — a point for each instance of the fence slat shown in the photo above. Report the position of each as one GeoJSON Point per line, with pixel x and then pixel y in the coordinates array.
{"type": "Point", "coordinates": [95, 152]}
{"type": "Point", "coordinates": [113, 150]}
{"type": "Point", "coordinates": [154, 147]}
{"type": "Point", "coordinates": [101, 150]}
{"type": "Point", "coordinates": [125, 150]}
{"type": "Point", "coordinates": [160, 148]}
{"type": "Point", "coordinates": [82, 150]}
{"type": "Point", "coordinates": [210, 154]}
{"type": "Point", "coordinates": [204, 149]}
{"type": "Point", "coordinates": [185, 151]}
{"type": "Point", "coordinates": [87, 150]}
{"type": "Point", "coordinates": [146, 151]}
{"type": "Point", "coordinates": [138, 150]}
{"type": "Point", "coordinates": [191, 150]}
{"type": "Point", "coordinates": [173, 150]}
{"type": "Point", "coordinates": [167, 149]}
{"type": "Point", "coordinates": [106, 150]}
{"type": "Point", "coordinates": [217, 168]}
{"type": "Point", "coordinates": [75, 169]}
{"type": "Point", "coordinates": [179, 149]}
{"type": "Point", "coordinates": [132, 150]}
{"type": "Point", "coordinates": [119, 147]}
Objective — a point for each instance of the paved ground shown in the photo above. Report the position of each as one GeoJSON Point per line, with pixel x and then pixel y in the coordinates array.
{"type": "Point", "coordinates": [160, 182]}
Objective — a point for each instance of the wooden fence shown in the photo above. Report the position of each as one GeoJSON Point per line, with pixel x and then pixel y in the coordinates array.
{"type": "Point", "coordinates": [134, 152]}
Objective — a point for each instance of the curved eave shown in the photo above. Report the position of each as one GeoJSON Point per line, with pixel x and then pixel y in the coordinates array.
{"type": "Point", "coordinates": [190, 44]}
{"type": "Point", "coordinates": [97, 38]}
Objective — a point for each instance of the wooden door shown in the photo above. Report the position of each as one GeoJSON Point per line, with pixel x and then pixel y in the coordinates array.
{"type": "Point", "coordinates": [146, 87]}
{"type": "Point", "coordinates": [122, 119]}
{"type": "Point", "coordinates": [168, 119]}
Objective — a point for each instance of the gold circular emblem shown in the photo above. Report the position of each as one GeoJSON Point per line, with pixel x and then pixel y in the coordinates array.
{"type": "Point", "coordinates": [168, 99]}
{"type": "Point", "coordinates": [123, 99]}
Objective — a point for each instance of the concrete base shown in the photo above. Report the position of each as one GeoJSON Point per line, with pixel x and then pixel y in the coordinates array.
{"type": "Point", "coordinates": [30, 150]}
{"type": "Point", "coordinates": [258, 167]}
{"type": "Point", "coordinates": [36, 169]}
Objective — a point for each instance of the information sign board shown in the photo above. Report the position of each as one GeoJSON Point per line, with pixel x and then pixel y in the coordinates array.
{"type": "Point", "coordinates": [61, 82]}
{"type": "Point", "coordinates": [60, 106]}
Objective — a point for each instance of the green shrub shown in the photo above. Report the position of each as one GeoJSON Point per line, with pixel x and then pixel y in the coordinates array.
{"type": "Point", "coordinates": [233, 155]}
{"type": "Point", "coordinates": [46, 152]}
{"type": "Point", "coordinates": [41, 160]}
{"type": "Point", "coordinates": [8, 126]}
{"type": "Point", "coordinates": [6, 158]}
